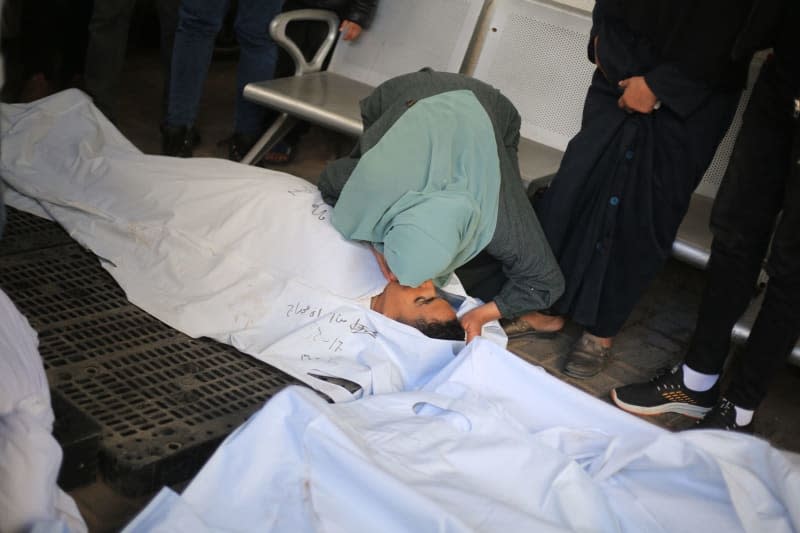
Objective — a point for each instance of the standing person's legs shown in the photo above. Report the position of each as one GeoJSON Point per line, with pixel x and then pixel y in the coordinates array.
{"type": "Point", "coordinates": [38, 50]}
{"type": "Point", "coordinates": [199, 22]}
{"type": "Point", "coordinates": [257, 58]}
{"type": "Point", "coordinates": [105, 54]}
{"type": "Point", "coordinates": [777, 327]}
{"type": "Point", "coordinates": [753, 191]}
{"type": "Point", "coordinates": [168, 25]}
{"type": "Point", "coordinates": [74, 16]}
{"type": "Point", "coordinates": [742, 220]}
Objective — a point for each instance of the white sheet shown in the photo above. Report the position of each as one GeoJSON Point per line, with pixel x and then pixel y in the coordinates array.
{"type": "Point", "coordinates": [241, 254]}
{"type": "Point", "coordinates": [490, 444]}
{"type": "Point", "coordinates": [29, 455]}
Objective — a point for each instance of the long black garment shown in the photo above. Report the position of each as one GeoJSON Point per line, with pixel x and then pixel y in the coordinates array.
{"type": "Point", "coordinates": [614, 207]}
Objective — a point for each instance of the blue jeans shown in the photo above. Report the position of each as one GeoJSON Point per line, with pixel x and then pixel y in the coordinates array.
{"type": "Point", "coordinates": [199, 21]}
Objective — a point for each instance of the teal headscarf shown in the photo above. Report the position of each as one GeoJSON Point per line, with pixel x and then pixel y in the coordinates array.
{"type": "Point", "coordinates": [426, 194]}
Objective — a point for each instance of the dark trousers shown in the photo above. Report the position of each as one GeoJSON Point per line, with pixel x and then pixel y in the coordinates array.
{"type": "Point", "coordinates": [760, 189]}
{"type": "Point", "coordinates": [105, 54]}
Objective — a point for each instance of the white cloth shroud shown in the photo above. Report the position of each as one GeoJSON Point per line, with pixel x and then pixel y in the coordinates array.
{"type": "Point", "coordinates": [490, 444]}
{"type": "Point", "coordinates": [29, 454]}
{"type": "Point", "coordinates": [213, 248]}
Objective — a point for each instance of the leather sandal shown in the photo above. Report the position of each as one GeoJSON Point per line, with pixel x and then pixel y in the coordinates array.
{"type": "Point", "coordinates": [587, 358]}
{"type": "Point", "coordinates": [518, 327]}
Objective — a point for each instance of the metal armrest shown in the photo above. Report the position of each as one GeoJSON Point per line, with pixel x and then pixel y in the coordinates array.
{"type": "Point", "coordinates": [277, 30]}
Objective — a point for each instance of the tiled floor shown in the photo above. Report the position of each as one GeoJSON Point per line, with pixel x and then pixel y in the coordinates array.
{"type": "Point", "coordinates": [655, 336]}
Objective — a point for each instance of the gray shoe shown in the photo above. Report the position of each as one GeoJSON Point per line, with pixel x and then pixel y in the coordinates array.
{"type": "Point", "coordinates": [517, 327]}
{"type": "Point", "coordinates": [587, 358]}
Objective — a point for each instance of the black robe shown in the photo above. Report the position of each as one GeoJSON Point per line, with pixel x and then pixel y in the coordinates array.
{"type": "Point", "coordinates": [614, 207]}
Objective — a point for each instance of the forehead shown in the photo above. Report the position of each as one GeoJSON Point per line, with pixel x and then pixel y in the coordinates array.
{"type": "Point", "coordinates": [437, 309]}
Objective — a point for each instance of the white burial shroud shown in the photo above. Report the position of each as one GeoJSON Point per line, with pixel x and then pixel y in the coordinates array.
{"type": "Point", "coordinates": [213, 248]}
{"type": "Point", "coordinates": [490, 444]}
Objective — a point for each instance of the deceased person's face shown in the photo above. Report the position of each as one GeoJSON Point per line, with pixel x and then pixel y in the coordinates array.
{"type": "Point", "coordinates": [412, 304]}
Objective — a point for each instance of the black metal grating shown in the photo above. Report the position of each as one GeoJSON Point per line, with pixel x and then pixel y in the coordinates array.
{"type": "Point", "coordinates": [162, 399]}
{"type": "Point", "coordinates": [23, 233]}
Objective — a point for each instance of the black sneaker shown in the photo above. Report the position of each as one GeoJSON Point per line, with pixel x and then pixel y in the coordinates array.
{"type": "Point", "coordinates": [723, 416]}
{"type": "Point", "coordinates": [665, 393]}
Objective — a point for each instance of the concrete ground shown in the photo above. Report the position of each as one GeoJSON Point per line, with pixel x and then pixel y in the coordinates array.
{"type": "Point", "coordinates": [654, 337]}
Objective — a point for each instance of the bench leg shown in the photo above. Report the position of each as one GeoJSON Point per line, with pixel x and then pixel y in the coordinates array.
{"type": "Point", "coordinates": [271, 137]}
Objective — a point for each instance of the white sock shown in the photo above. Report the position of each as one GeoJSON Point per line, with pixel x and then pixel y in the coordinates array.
{"type": "Point", "coordinates": [694, 380]}
{"type": "Point", "coordinates": [743, 416]}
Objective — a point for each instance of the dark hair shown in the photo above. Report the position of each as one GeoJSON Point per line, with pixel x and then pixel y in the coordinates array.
{"type": "Point", "coordinates": [436, 329]}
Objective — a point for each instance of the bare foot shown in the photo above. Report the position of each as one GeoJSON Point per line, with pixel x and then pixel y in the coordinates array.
{"type": "Point", "coordinates": [542, 322]}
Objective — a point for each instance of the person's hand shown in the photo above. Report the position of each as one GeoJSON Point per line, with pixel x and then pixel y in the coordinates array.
{"type": "Point", "coordinates": [350, 30]}
{"type": "Point", "coordinates": [637, 96]}
{"type": "Point", "coordinates": [473, 321]}
{"type": "Point", "coordinates": [387, 272]}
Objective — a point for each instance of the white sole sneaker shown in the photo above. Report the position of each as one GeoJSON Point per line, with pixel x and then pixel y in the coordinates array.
{"type": "Point", "coordinates": [687, 409]}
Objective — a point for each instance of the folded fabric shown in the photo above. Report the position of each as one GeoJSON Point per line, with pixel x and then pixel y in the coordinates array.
{"type": "Point", "coordinates": [490, 444]}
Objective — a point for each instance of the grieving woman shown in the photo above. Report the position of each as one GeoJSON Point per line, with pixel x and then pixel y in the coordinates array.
{"type": "Point", "coordinates": [434, 185]}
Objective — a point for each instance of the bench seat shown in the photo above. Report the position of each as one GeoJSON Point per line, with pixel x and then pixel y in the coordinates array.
{"type": "Point", "coordinates": [537, 161]}
{"type": "Point", "coordinates": [693, 243]}
{"type": "Point", "coordinates": [323, 98]}
{"type": "Point", "coordinates": [405, 35]}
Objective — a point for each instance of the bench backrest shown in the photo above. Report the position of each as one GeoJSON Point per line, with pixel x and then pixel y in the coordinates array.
{"type": "Point", "coordinates": [407, 35]}
{"type": "Point", "coordinates": [535, 53]}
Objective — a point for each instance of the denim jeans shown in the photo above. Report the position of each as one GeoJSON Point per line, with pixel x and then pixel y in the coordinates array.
{"type": "Point", "coordinates": [762, 182]}
{"type": "Point", "coordinates": [199, 21]}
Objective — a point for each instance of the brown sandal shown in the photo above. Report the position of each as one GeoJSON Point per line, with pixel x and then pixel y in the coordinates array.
{"type": "Point", "coordinates": [587, 358]}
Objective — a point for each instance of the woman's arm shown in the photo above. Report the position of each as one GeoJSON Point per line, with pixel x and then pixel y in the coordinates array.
{"type": "Point", "coordinates": [473, 320]}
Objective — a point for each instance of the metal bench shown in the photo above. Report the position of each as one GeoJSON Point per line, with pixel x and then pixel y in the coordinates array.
{"type": "Point", "coordinates": [406, 35]}
{"type": "Point", "coordinates": [534, 51]}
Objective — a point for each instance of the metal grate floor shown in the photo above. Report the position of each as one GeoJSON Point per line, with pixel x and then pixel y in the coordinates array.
{"type": "Point", "coordinates": [163, 400]}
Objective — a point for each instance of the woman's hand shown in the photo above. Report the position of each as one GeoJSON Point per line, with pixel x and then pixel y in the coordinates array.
{"type": "Point", "coordinates": [384, 266]}
{"type": "Point", "coordinates": [473, 321]}
{"type": "Point", "coordinates": [637, 96]}
{"type": "Point", "coordinates": [350, 30]}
